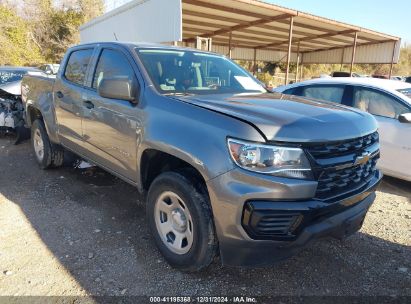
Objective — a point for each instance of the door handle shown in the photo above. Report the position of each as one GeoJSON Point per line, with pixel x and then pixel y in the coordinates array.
{"type": "Point", "coordinates": [88, 104]}
{"type": "Point", "coordinates": [59, 94]}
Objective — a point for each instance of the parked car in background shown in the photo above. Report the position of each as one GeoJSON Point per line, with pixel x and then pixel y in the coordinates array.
{"type": "Point", "coordinates": [9, 74]}
{"type": "Point", "coordinates": [380, 76]}
{"type": "Point", "coordinates": [344, 74]}
{"type": "Point", "coordinates": [322, 76]}
{"type": "Point", "coordinates": [398, 78]}
{"type": "Point", "coordinates": [229, 168]}
{"type": "Point", "coordinates": [340, 74]}
{"type": "Point", "coordinates": [11, 107]}
{"type": "Point", "coordinates": [388, 100]}
{"type": "Point", "coordinates": [50, 68]}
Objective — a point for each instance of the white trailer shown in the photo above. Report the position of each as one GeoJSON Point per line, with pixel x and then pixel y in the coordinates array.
{"type": "Point", "coordinates": [139, 20]}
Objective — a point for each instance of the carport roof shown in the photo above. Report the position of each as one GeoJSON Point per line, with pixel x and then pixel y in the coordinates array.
{"type": "Point", "coordinates": [259, 25]}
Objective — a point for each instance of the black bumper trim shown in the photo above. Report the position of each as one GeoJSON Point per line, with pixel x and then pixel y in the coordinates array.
{"type": "Point", "coordinates": [337, 220]}
{"type": "Point", "coordinates": [261, 253]}
{"type": "Point", "coordinates": [285, 221]}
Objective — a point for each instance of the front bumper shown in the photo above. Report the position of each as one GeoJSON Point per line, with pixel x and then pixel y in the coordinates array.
{"type": "Point", "coordinates": [240, 245]}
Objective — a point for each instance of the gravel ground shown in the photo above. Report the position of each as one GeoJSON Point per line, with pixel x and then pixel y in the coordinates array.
{"type": "Point", "coordinates": [83, 232]}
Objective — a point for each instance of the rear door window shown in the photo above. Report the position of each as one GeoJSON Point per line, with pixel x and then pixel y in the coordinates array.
{"type": "Point", "coordinates": [77, 65]}
{"type": "Point", "coordinates": [333, 93]}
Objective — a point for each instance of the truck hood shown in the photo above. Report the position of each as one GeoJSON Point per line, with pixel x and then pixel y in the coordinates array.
{"type": "Point", "coordinates": [288, 118]}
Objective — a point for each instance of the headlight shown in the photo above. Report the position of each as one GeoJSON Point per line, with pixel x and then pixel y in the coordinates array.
{"type": "Point", "coordinates": [274, 160]}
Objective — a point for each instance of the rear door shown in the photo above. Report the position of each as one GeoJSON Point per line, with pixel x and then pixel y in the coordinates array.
{"type": "Point", "coordinates": [395, 139]}
{"type": "Point", "coordinates": [111, 127]}
{"type": "Point", "coordinates": [68, 91]}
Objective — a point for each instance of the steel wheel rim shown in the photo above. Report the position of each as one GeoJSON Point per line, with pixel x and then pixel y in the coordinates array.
{"type": "Point", "coordinates": [38, 145]}
{"type": "Point", "coordinates": [173, 222]}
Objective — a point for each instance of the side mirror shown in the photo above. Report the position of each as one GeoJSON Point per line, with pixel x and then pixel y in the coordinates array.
{"type": "Point", "coordinates": [405, 118]}
{"type": "Point", "coordinates": [118, 88]}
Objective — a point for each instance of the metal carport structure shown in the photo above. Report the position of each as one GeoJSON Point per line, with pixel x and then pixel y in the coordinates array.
{"type": "Point", "coordinates": [245, 30]}
{"type": "Point", "coordinates": [255, 30]}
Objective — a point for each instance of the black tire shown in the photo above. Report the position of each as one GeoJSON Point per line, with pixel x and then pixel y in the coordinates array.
{"type": "Point", "coordinates": [53, 155]}
{"type": "Point", "coordinates": [22, 133]}
{"type": "Point", "coordinates": [204, 247]}
{"type": "Point", "coordinates": [70, 159]}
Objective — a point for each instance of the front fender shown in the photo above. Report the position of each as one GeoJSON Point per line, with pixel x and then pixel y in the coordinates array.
{"type": "Point", "coordinates": [193, 134]}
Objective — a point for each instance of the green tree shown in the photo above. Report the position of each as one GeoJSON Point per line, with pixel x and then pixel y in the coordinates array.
{"type": "Point", "coordinates": [404, 65]}
{"type": "Point", "coordinates": [17, 45]}
{"type": "Point", "coordinates": [90, 9]}
{"type": "Point", "coordinates": [63, 28]}
{"type": "Point", "coordinates": [55, 28]}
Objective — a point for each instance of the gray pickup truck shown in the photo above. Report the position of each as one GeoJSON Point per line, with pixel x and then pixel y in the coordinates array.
{"type": "Point", "coordinates": [228, 168]}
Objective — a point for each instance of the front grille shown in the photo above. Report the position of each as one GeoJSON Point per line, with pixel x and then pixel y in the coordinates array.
{"type": "Point", "coordinates": [326, 150]}
{"type": "Point", "coordinates": [336, 168]}
{"type": "Point", "coordinates": [261, 223]}
{"type": "Point", "coordinates": [332, 183]}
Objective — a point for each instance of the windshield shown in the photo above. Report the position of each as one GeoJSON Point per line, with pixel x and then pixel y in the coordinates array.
{"type": "Point", "coordinates": [190, 72]}
{"type": "Point", "coordinates": [406, 92]}
{"type": "Point", "coordinates": [10, 76]}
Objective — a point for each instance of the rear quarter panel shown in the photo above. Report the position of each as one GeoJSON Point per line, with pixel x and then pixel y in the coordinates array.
{"type": "Point", "coordinates": [37, 93]}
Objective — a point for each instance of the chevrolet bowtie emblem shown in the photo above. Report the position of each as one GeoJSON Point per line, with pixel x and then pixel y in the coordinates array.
{"type": "Point", "coordinates": [362, 159]}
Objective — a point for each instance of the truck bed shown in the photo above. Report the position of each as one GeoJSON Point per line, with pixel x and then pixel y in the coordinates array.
{"type": "Point", "coordinates": [35, 88]}
{"type": "Point", "coordinates": [37, 98]}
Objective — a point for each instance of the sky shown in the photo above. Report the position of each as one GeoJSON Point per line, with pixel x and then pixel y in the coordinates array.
{"type": "Point", "coordinates": [387, 16]}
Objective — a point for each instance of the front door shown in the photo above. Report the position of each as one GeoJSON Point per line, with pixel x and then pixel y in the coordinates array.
{"type": "Point", "coordinates": [110, 126]}
{"type": "Point", "coordinates": [395, 139]}
{"type": "Point", "coordinates": [395, 147]}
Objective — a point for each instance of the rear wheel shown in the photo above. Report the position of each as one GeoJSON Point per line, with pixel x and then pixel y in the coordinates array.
{"type": "Point", "coordinates": [46, 153]}
{"type": "Point", "coordinates": [181, 222]}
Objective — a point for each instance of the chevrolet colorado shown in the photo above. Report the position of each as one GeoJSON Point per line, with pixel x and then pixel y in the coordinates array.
{"type": "Point", "coordinates": [228, 168]}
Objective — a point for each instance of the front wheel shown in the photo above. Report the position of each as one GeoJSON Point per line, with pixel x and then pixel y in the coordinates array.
{"type": "Point", "coordinates": [180, 219]}
{"type": "Point", "coordinates": [46, 153]}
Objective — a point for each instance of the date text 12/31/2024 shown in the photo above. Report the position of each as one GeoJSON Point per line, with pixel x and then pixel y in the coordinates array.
{"type": "Point", "coordinates": [233, 299]}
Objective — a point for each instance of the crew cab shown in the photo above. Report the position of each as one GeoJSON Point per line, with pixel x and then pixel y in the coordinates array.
{"type": "Point", "coordinates": [228, 168]}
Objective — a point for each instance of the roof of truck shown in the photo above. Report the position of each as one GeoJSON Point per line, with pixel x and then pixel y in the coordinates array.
{"type": "Point", "coordinates": [143, 44]}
